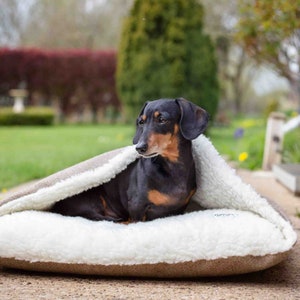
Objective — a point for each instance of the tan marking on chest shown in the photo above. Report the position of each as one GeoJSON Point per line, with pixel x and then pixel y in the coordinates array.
{"type": "Point", "coordinates": [158, 198]}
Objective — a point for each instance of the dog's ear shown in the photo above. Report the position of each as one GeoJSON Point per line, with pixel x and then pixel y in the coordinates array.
{"type": "Point", "coordinates": [139, 129]}
{"type": "Point", "coordinates": [193, 119]}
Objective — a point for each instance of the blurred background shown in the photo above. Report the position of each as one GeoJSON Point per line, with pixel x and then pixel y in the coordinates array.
{"type": "Point", "coordinates": [74, 74]}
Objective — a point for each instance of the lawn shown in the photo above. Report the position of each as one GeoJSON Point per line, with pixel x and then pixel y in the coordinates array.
{"type": "Point", "coordinates": [28, 153]}
{"type": "Point", "coordinates": [242, 141]}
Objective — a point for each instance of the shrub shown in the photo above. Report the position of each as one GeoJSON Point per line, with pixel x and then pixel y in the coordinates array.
{"type": "Point", "coordinates": [165, 54]}
{"type": "Point", "coordinates": [31, 116]}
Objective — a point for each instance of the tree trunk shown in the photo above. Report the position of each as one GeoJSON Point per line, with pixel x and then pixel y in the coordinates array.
{"type": "Point", "coordinates": [295, 90]}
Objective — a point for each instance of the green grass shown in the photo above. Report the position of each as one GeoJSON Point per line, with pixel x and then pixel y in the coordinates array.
{"type": "Point", "coordinates": [28, 153]}
{"type": "Point", "coordinates": [251, 143]}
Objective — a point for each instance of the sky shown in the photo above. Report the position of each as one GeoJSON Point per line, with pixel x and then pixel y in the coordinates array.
{"type": "Point", "coordinates": [268, 81]}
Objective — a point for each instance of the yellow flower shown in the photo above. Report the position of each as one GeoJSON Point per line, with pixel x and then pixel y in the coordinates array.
{"type": "Point", "coordinates": [120, 137]}
{"type": "Point", "coordinates": [248, 123]}
{"type": "Point", "coordinates": [243, 156]}
{"type": "Point", "coordinates": [4, 190]}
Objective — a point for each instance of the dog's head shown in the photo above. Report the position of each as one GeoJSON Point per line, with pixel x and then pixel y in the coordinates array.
{"type": "Point", "coordinates": [162, 122]}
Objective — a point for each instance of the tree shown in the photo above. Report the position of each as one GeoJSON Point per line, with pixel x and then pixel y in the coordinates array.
{"type": "Point", "coordinates": [269, 30]}
{"type": "Point", "coordinates": [164, 53]}
{"type": "Point", "coordinates": [13, 20]}
{"type": "Point", "coordinates": [88, 24]}
{"type": "Point", "coordinates": [236, 69]}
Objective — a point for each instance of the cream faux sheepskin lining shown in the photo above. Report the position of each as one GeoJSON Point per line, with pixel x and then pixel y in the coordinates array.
{"type": "Point", "coordinates": [237, 222]}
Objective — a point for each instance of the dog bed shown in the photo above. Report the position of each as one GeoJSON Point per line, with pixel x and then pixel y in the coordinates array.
{"type": "Point", "coordinates": [236, 232]}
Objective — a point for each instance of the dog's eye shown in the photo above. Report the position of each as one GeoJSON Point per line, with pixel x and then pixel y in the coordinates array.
{"type": "Point", "coordinates": [141, 122]}
{"type": "Point", "coordinates": [162, 120]}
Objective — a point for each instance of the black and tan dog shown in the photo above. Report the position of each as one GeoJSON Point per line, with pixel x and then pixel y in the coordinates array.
{"type": "Point", "coordinates": [158, 184]}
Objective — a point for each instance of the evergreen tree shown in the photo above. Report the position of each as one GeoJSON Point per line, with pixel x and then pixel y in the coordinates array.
{"type": "Point", "coordinates": [164, 53]}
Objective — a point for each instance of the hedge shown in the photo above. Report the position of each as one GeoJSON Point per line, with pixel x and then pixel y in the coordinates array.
{"type": "Point", "coordinates": [30, 116]}
{"type": "Point", "coordinates": [74, 78]}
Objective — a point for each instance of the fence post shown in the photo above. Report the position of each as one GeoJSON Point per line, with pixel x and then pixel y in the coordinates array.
{"type": "Point", "coordinates": [273, 140]}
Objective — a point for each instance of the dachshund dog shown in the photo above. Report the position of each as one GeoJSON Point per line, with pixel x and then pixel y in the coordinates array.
{"type": "Point", "coordinates": [161, 181]}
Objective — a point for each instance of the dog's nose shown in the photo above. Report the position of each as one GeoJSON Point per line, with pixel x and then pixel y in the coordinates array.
{"type": "Point", "coordinates": [141, 148]}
